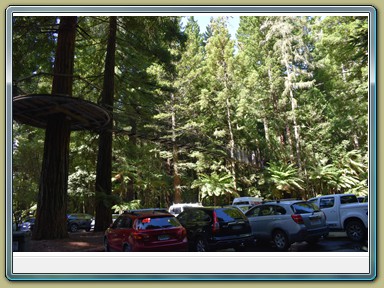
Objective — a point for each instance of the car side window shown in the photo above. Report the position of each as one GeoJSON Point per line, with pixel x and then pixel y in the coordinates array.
{"type": "Point", "coordinates": [327, 202]}
{"type": "Point", "coordinates": [199, 215]}
{"type": "Point", "coordinates": [117, 222]}
{"type": "Point", "coordinates": [280, 210]}
{"type": "Point", "coordinates": [348, 199]}
{"type": "Point", "coordinates": [267, 210]}
{"type": "Point", "coordinates": [125, 223]}
{"type": "Point", "coordinates": [254, 212]}
{"type": "Point", "coordinates": [183, 217]}
{"type": "Point", "coordinates": [204, 216]}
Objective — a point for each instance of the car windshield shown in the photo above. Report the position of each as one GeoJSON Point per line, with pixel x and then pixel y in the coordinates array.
{"type": "Point", "coordinates": [304, 207]}
{"type": "Point", "coordinates": [244, 208]}
{"type": "Point", "coordinates": [149, 223]}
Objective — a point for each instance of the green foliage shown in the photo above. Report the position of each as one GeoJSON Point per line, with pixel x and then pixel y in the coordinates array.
{"type": "Point", "coordinates": [31, 67]}
{"type": "Point", "coordinates": [120, 208]}
{"type": "Point", "coordinates": [27, 158]}
{"type": "Point", "coordinates": [214, 185]}
{"type": "Point", "coordinates": [284, 180]}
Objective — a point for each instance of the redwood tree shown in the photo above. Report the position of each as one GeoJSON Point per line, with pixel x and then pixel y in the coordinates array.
{"type": "Point", "coordinates": [104, 159]}
{"type": "Point", "coordinates": [51, 220]}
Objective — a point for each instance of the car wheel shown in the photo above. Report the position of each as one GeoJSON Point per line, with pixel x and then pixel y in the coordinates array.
{"type": "Point", "coordinates": [201, 245]}
{"type": "Point", "coordinates": [106, 245]}
{"type": "Point", "coordinates": [355, 231]}
{"type": "Point", "coordinates": [127, 248]}
{"type": "Point", "coordinates": [280, 240]}
{"type": "Point", "coordinates": [73, 228]}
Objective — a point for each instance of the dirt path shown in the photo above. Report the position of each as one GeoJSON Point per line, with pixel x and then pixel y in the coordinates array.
{"type": "Point", "coordinates": [77, 242]}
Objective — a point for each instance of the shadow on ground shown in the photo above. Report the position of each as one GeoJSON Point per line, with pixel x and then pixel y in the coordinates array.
{"type": "Point", "coordinates": [81, 241]}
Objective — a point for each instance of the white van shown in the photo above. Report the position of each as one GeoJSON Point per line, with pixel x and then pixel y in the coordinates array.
{"type": "Point", "coordinates": [247, 201]}
{"type": "Point", "coordinates": [176, 209]}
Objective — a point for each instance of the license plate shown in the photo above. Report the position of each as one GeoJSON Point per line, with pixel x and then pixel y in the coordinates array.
{"type": "Point", "coordinates": [315, 221]}
{"type": "Point", "coordinates": [237, 227]}
{"type": "Point", "coordinates": [163, 237]}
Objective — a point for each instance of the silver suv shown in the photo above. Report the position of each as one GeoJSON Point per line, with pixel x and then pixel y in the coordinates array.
{"type": "Point", "coordinates": [287, 222]}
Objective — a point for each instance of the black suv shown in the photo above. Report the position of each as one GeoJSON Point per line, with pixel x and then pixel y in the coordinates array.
{"type": "Point", "coordinates": [213, 228]}
{"type": "Point", "coordinates": [78, 221]}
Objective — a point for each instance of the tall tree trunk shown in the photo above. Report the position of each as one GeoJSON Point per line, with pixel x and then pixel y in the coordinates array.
{"type": "Point", "coordinates": [231, 144]}
{"type": "Point", "coordinates": [103, 187]}
{"type": "Point", "coordinates": [51, 220]}
{"type": "Point", "coordinates": [295, 129]}
{"type": "Point", "coordinates": [293, 109]}
{"type": "Point", "coordinates": [290, 143]}
{"type": "Point", "coordinates": [176, 176]}
{"type": "Point", "coordinates": [133, 142]}
{"type": "Point", "coordinates": [266, 132]}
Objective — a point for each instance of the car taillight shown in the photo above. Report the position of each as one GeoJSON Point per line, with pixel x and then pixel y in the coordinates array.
{"type": "Point", "coordinates": [140, 236]}
{"type": "Point", "coordinates": [215, 225]}
{"type": "Point", "coordinates": [182, 233]}
{"type": "Point", "coordinates": [297, 218]}
{"type": "Point", "coordinates": [146, 220]}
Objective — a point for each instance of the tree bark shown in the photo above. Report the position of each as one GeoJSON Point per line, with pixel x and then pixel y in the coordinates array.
{"type": "Point", "coordinates": [130, 195]}
{"type": "Point", "coordinates": [175, 151]}
{"type": "Point", "coordinates": [51, 220]}
{"type": "Point", "coordinates": [231, 143]}
{"type": "Point", "coordinates": [103, 187]}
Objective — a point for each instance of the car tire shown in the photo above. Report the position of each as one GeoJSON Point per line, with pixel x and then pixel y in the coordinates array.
{"type": "Point", "coordinates": [280, 239]}
{"type": "Point", "coordinates": [73, 227]}
{"type": "Point", "coordinates": [127, 248]}
{"type": "Point", "coordinates": [201, 245]}
{"type": "Point", "coordinates": [355, 230]}
{"type": "Point", "coordinates": [106, 245]}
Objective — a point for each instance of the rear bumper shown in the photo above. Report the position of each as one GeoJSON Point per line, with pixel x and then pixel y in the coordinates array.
{"type": "Point", "coordinates": [217, 243]}
{"type": "Point", "coordinates": [304, 235]}
{"type": "Point", "coordinates": [173, 247]}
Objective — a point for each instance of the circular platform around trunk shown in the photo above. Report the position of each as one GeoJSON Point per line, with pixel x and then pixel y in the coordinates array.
{"type": "Point", "coordinates": [36, 109]}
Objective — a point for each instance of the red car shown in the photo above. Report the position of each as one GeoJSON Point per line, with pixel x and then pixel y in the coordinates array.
{"type": "Point", "coordinates": [146, 230]}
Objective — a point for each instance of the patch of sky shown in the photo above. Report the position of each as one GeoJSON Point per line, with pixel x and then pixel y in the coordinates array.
{"type": "Point", "coordinates": [203, 21]}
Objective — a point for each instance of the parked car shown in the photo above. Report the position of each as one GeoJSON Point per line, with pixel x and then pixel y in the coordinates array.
{"type": "Point", "coordinates": [176, 209]}
{"type": "Point", "coordinates": [212, 228]}
{"type": "Point", "coordinates": [247, 201]}
{"type": "Point", "coordinates": [78, 221]}
{"type": "Point", "coordinates": [345, 213]}
{"type": "Point", "coordinates": [146, 230]}
{"type": "Point", "coordinates": [27, 224]}
{"type": "Point", "coordinates": [286, 222]}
